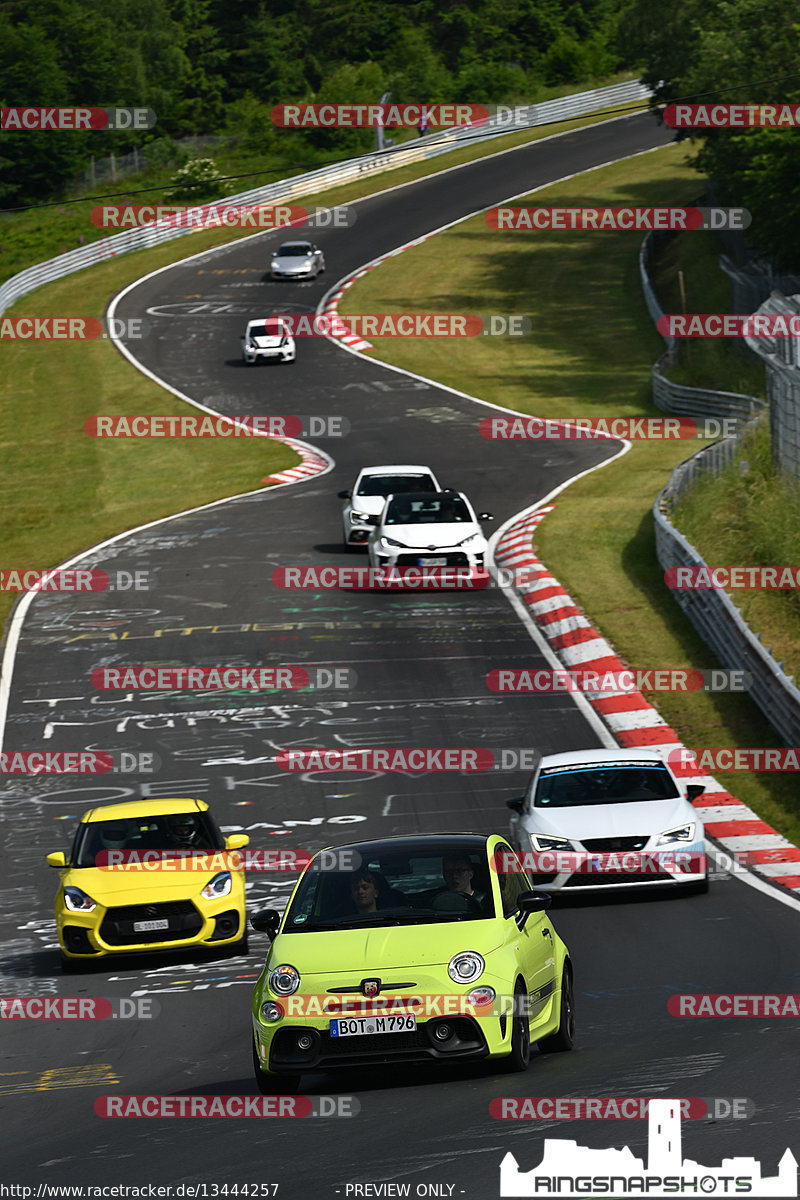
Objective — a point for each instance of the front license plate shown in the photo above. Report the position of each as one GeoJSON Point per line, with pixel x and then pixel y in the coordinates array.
{"type": "Point", "coordinates": [432, 562]}
{"type": "Point", "coordinates": [146, 926]}
{"type": "Point", "coordinates": [359, 1026]}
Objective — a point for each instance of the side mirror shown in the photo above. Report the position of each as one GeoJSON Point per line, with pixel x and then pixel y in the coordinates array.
{"type": "Point", "coordinates": [485, 516]}
{"type": "Point", "coordinates": [693, 790]}
{"type": "Point", "coordinates": [531, 902]}
{"type": "Point", "coordinates": [57, 859]}
{"type": "Point", "coordinates": [517, 804]}
{"type": "Point", "coordinates": [237, 840]}
{"type": "Point", "coordinates": [266, 920]}
{"type": "Point", "coordinates": [343, 495]}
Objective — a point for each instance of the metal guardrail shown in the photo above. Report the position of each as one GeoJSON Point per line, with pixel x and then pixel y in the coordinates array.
{"type": "Point", "coordinates": [711, 611]}
{"type": "Point", "coordinates": [317, 181]}
{"type": "Point", "coordinates": [782, 358]}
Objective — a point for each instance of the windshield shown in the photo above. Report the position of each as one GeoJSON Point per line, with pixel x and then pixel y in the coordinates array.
{"type": "Point", "coordinates": [436, 510]}
{"type": "Point", "coordinates": [385, 485]}
{"type": "Point", "coordinates": [301, 251]}
{"type": "Point", "coordinates": [417, 887]}
{"type": "Point", "coordinates": [177, 831]}
{"type": "Point", "coordinates": [611, 783]}
{"type": "Point", "coordinates": [269, 329]}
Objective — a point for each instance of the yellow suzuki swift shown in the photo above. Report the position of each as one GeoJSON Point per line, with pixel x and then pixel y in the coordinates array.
{"type": "Point", "coordinates": [430, 948]}
{"type": "Point", "coordinates": [149, 875]}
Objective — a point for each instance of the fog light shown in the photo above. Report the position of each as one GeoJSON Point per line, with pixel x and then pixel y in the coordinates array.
{"type": "Point", "coordinates": [443, 1032]}
{"type": "Point", "coordinates": [271, 1012]}
{"type": "Point", "coordinates": [305, 1042]}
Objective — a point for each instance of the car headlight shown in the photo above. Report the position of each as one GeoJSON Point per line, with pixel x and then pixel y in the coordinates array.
{"type": "Point", "coordinates": [465, 967]}
{"type": "Point", "coordinates": [220, 885]}
{"type": "Point", "coordinates": [387, 541]}
{"type": "Point", "coordinates": [275, 266]}
{"type": "Point", "coordinates": [469, 541]}
{"type": "Point", "coordinates": [357, 516]}
{"type": "Point", "coordinates": [681, 833]}
{"type": "Point", "coordinates": [539, 842]}
{"type": "Point", "coordinates": [77, 900]}
{"type": "Point", "coordinates": [284, 980]}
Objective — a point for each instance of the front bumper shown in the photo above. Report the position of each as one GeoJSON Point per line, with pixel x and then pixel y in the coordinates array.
{"type": "Point", "coordinates": [452, 556]}
{"type": "Point", "coordinates": [109, 930]}
{"type": "Point", "coordinates": [652, 873]}
{"type": "Point", "coordinates": [278, 352]}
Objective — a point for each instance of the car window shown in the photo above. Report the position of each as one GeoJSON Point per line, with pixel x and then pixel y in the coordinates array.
{"type": "Point", "coordinates": [157, 832]}
{"type": "Point", "coordinates": [427, 512]}
{"type": "Point", "coordinates": [606, 783]}
{"type": "Point", "coordinates": [415, 889]}
{"type": "Point", "coordinates": [511, 883]}
{"type": "Point", "coordinates": [385, 485]}
{"type": "Point", "coordinates": [298, 251]}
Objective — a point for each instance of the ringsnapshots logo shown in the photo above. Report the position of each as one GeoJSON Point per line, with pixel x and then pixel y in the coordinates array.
{"type": "Point", "coordinates": [223, 679]}
{"type": "Point", "coordinates": [524, 219]}
{"type": "Point", "coordinates": [47, 119]}
{"type": "Point", "coordinates": [569, 1170]}
{"type": "Point", "coordinates": [732, 116]}
{"type": "Point", "coordinates": [221, 216]}
{"type": "Point", "coordinates": [78, 762]}
{"type": "Point", "coordinates": [581, 429]}
{"type": "Point", "coordinates": [60, 579]}
{"type": "Point", "coordinates": [142, 425]}
{"type": "Point", "coordinates": [78, 1008]}
{"type": "Point", "coordinates": [203, 1107]}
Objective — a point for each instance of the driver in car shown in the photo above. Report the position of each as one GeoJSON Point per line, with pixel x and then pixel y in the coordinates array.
{"type": "Point", "coordinates": [458, 875]}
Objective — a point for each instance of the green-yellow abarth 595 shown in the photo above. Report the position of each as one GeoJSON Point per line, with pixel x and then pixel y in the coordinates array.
{"type": "Point", "coordinates": [429, 948]}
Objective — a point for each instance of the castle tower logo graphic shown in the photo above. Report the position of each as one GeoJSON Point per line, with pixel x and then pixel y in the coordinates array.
{"type": "Point", "coordinates": [568, 1169]}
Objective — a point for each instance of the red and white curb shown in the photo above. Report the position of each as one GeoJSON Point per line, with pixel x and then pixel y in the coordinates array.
{"type": "Point", "coordinates": [312, 464]}
{"type": "Point", "coordinates": [633, 721]}
{"type": "Point", "coordinates": [331, 306]}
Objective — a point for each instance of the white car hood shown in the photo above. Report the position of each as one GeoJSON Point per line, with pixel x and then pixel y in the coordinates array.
{"type": "Point", "coordinates": [438, 534]}
{"type": "Point", "coordinates": [368, 504]}
{"type": "Point", "coordinates": [610, 820]}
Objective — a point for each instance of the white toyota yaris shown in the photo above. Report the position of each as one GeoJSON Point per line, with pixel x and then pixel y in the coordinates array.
{"type": "Point", "coordinates": [424, 529]}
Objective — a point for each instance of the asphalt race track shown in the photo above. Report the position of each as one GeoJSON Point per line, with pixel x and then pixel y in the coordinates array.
{"type": "Point", "coordinates": [421, 661]}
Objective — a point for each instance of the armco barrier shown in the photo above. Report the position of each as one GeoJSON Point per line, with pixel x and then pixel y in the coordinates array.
{"type": "Point", "coordinates": [710, 610]}
{"type": "Point", "coordinates": [782, 358]}
{"type": "Point", "coordinates": [713, 613]}
{"type": "Point", "coordinates": [318, 181]}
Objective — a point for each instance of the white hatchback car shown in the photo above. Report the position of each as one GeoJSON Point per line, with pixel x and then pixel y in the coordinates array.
{"type": "Point", "coordinates": [368, 496]}
{"type": "Point", "coordinates": [424, 529]}
{"type": "Point", "coordinates": [297, 260]}
{"type": "Point", "coordinates": [608, 819]}
{"type": "Point", "coordinates": [268, 338]}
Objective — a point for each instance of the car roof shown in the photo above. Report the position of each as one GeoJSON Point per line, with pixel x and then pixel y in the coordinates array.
{"type": "Point", "coordinates": [142, 808]}
{"type": "Point", "coordinates": [399, 469]}
{"type": "Point", "coordinates": [263, 320]}
{"type": "Point", "coordinates": [576, 758]}
{"type": "Point", "coordinates": [449, 493]}
{"type": "Point", "coordinates": [427, 841]}
{"type": "Point", "coordinates": [283, 245]}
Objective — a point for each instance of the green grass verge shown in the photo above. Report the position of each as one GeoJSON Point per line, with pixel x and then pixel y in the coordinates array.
{"type": "Point", "coordinates": [589, 355]}
{"type": "Point", "coordinates": [748, 514]}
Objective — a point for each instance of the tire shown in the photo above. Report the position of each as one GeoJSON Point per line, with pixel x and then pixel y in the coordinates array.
{"type": "Point", "coordinates": [520, 1056]}
{"type": "Point", "coordinates": [564, 1037]}
{"type": "Point", "coordinates": [274, 1085]}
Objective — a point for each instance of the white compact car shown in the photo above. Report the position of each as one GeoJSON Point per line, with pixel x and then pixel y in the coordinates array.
{"type": "Point", "coordinates": [297, 260]}
{"type": "Point", "coordinates": [368, 496]}
{"type": "Point", "coordinates": [622, 815]}
{"type": "Point", "coordinates": [268, 338]}
{"type": "Point", "coordinates": [428, 529]}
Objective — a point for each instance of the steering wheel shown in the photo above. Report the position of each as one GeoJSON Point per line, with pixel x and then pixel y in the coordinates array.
{"type": "Point", "coordinates": [456, 902]}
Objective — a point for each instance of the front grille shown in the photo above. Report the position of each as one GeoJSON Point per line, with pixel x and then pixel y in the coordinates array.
{"type": "Point", "coordinates": [184, 922]}
{"type": "Point", "coordinates": [615, 843]}
{"type": "Point", "coordinates": [367, 1043]}
{"type": "Point", "coordinates": [453, 559]}
{"type": "Point", "coordinates": [599, 878]}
